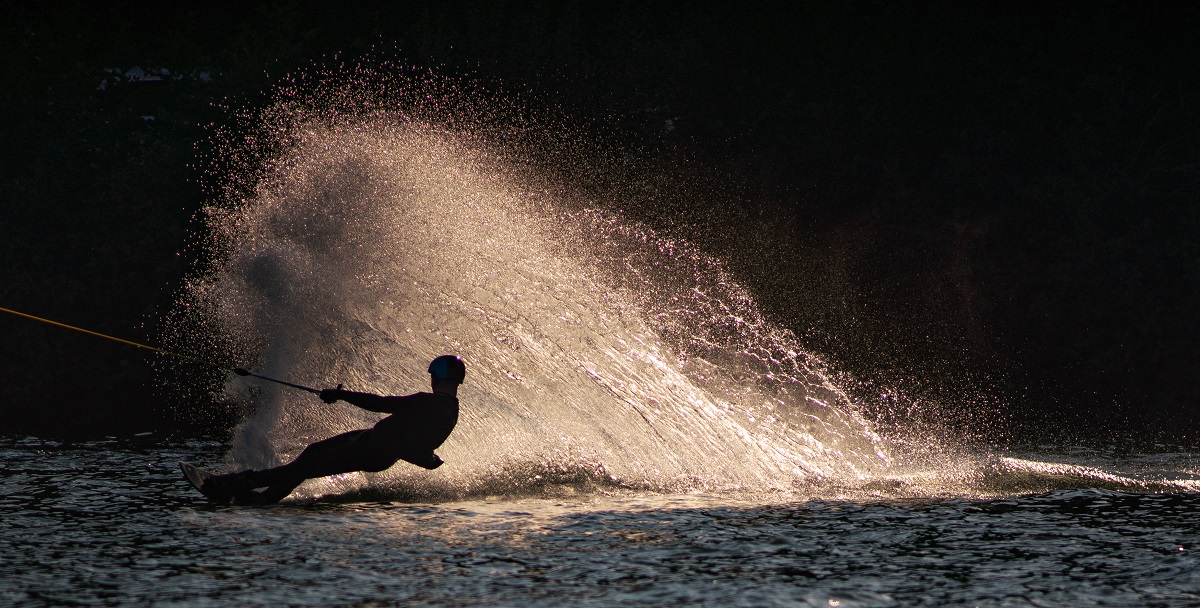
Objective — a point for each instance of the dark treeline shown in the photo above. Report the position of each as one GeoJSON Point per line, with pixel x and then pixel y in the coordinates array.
{"type": "Point", "coordinates": [994, 212]}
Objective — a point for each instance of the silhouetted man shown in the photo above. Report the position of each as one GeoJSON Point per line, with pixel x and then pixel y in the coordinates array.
{"type": "Point", "coordinates": [418, 424]}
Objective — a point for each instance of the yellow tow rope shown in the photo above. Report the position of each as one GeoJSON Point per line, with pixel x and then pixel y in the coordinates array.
{"type": "Point", "coordinates": [108, 337]}
{"type": "Point", "coordinates": [237, 370]}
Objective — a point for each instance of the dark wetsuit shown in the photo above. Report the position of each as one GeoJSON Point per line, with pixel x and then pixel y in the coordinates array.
{"type": "Point", "coordinates": [418, 424]}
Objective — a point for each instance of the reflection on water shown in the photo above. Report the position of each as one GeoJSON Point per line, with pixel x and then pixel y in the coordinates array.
{"type": "Point", "coordinates": [111, 523]}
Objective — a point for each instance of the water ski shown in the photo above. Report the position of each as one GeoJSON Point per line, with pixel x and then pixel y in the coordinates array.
{"type": "Point", "coordinates": [429, 461]}
{"type": "Point", "coordinates": [198, 478]}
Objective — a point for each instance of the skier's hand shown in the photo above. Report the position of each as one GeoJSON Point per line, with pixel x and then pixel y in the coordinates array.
{"type": "Point", "coordinates": [331, 395]}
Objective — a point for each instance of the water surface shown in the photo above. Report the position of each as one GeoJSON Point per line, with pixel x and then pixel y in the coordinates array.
{"type": "Point", "coordinates": [112, 523]}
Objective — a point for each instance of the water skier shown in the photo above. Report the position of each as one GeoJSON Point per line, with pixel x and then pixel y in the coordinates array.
{"type": "Point", "coordinates": [418, 424]}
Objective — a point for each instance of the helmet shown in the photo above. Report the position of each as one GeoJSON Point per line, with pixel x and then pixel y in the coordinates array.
{"type": "Point", "coordinates": [448, 366]}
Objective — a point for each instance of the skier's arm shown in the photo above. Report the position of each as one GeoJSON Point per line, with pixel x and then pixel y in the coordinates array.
{"type": "Point", "coordinates": [367, 401]}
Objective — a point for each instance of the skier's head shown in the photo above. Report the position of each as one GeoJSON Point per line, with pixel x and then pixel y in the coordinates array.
{"type": "Point", "coordinates": [447, 367]}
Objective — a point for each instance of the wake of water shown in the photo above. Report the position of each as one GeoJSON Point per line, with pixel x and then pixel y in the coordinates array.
{"type": "Point", "coordinates": [599, 352]}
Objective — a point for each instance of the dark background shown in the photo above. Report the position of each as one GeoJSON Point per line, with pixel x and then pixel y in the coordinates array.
{"type": "Point", "coordinates": [990, 210]}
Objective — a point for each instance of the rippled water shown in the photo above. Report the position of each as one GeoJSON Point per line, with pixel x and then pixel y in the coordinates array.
{"type": "Point", "coordinates": [112, 523]}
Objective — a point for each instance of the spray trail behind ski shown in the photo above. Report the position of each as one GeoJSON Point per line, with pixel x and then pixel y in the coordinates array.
{"type": "Point", "coordinates": [596, 349]}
